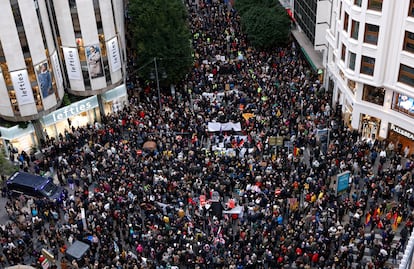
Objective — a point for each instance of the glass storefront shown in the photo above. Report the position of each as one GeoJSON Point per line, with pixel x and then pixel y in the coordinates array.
{"type": "Point", "coordinates": [401, 138]}
{"type": "Point", "coordinates": [75, 115]}
{"type": "Point", "coordinates": [115, 100]}
{"type": "Point", "coordinates": [18, 138]}
{"type": "Point", "coordinates": [369, 127]}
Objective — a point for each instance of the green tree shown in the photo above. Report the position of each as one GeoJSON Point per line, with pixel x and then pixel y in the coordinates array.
{"type": "Point", "coordinates": [6, 167]}
{"type": "Point", "coordinates": [265, 23]}
{"type": "Point", "coordinates": [160, 29]}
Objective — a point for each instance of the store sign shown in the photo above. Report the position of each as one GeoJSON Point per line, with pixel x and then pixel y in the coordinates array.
{"type": "Point", "coordinates": [71, 110]}
{"type": "Point", "coordinates": [113, 54]}
{"type": "Point", "coordinates": [402, 132]}
{"type": "Point", "coordinates": [72, 63]}
{"type": "Point", "coordinates": [22, 88]}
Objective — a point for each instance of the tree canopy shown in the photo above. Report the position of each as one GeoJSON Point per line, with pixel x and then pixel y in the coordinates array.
{"type": "Point", "coordinates": [265, 22]}
{"type": "Point", "coordinates": [6, 167]}
{"type": "Point", "coordinates": [160, 30]}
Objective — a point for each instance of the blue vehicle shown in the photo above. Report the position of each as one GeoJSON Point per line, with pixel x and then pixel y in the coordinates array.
{"type": "Point", "coordinates": [35, 186]}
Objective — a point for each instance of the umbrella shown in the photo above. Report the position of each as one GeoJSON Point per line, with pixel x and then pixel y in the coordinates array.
{"type": "Point", "coordinates": [149, 145]}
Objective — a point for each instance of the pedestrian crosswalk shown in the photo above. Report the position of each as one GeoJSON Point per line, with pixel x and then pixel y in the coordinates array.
{"type": "Point", "coordinates": [391, 263]}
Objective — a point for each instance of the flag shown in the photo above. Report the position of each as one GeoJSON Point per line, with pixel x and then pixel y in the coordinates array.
{"type": "Point", "coordinates": [296, 151]}
{"type": "Point", "coordinates": [241, 143]}
{"type": "Point", "coordinates": [375, 213]}
{"type": "Point", "coordinates": [367, 219]}
{"type": "Point", "coordinates": [380, 225]}
{"type": "Point", "coordinates": [395, 221]}
{"type": "Point", "coordinates": [394, 217]}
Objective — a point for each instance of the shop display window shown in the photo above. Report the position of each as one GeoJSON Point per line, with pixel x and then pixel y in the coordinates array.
{"type": "Point", "coordinates": [6, 74]}
{"type": "Point", "coordinates": [373, 95]}
{"type": "Point", "coordinates": [13, 101]}
{"type": "Point", "coordinates": [404, 104]}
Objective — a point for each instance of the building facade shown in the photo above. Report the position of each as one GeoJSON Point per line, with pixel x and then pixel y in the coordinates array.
{"type": "Point", "coordinates": [49, 47]}
{"type": "Point", "coordinates": [314, 18]}
{"type": "Point", "coordinates": [371, 67]}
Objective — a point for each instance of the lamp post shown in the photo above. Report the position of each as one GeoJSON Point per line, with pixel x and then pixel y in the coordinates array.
{"type": "Point", "coordinates": [164, 75]}
{"type": "Point", "coordinates": [158, 82]}
{"type": "Point", "coordinates": [152, 76]}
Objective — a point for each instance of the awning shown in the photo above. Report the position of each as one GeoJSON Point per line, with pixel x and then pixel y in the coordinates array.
{"type": "Point", "coordinates": [309, 60]}
{"type": "Point", "coordinates": [312, 56]}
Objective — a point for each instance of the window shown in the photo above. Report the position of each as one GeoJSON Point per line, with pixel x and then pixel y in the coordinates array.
{"type": "Point", "coordinates": [343, 53]}
{"type": "Point", "coordinates": [352, 57]}
{"type": "Point", "coordinates": [342, 74]}
{"type": "Point", "coordinates": [373, 95]}
{"type": "Point", "coordinates": [358, 2]}
{"type": "Point", "coordinates": [371, 34]}
{"type": "Point", "coordinates": [367, 65]}
{"type": "Point", "coordinates": [355, 29]}
{"type": "Point", "coordinates": [411, 9]}
{"type": "Point", "coordinates": [406, 75]}
{"type": "Point", "coordinates": [375, 5]}
{"type": "Point", "coordinates": [409, 42]}
{"type": "Point", "coordinates": [352, 85]}
{"type": "Point", "coordinates": [346, 19]}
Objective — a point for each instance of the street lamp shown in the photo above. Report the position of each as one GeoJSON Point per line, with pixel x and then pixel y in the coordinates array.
{"type": "Point", "coordinates": [164, 75]}
{"type": "Point", "coordinates": [152, 76]}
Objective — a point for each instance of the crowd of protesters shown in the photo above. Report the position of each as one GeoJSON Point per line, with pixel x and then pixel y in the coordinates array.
{"type": "Point", "coordinates": [173, 203]}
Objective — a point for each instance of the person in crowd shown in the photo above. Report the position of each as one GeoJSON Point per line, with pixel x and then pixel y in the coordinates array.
{"type": "Point", "coordinates": [150, 189]}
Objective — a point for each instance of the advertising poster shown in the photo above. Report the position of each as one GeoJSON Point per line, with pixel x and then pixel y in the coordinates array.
{"type": "Point", "coordinates": [93, 57]}
{"type": "Point", "coordinates": [44, 79]}
{"type": "Point", "coordinates": [56, 69]}
{"type": "Point", "coordinates": [406, 103]}
{"type": "Point", "coordinates": [113, 54]}
{"type": "Point", "coordinates": [72, 63]}
{"type": "Point", "coordinates": [22, 88]}
{"type": "Point", "coordinates": [342, 181]}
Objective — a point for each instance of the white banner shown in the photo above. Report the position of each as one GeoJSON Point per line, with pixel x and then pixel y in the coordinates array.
{"type": "Point", "coordinates": [22, 88]}
{"type": "Point", "coordinates": [56, 68]}
{"type": "Point", "coordinates": [72, 63]}
{"type": "Point", "coordinates": [227, 126]}
{"type": "Point", "coordinates": [114, 57]}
